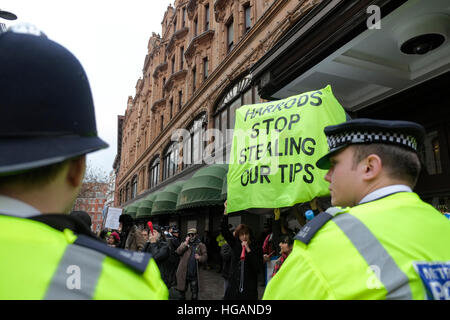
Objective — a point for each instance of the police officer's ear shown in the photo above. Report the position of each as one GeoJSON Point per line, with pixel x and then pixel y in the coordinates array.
{"type": "Point", "coordinates": [76, 170]}
{"type": "Point", "coordinates": [371, 167]}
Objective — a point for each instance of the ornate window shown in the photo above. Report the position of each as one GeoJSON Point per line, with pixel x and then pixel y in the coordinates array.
{"type": "Point", "coordinates": [194, 76]}
{"type": "Point", "coordinates": [205, 68]}
{"type": "Point", "coordinates": [230, 35]}
{"type": "Point", "coordinates": [170, 161]}
{"type": "Point", "coordinates": [194, 144]}
{"type": "Point", "coordinates": [181, 58]}
{"type": "Point", "coordinates": [180, 100]}
{"type": "Point", "coordinates": [247, 18]}
{"type": "Point", "coordinates": [241, 93]}
{"type": "Point", "coordinates": [134, 187]}
{"type": "Point", "coordinates": [195, 27]}
{"type": "Point", "coordinates": [207, 17]}
{"type": "Point", "coordinates": [153, 173]}
{"type": "Point", "coordinates": [127, 192]}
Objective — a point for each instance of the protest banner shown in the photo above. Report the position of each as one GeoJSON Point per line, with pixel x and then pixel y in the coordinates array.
{"type": "Point", "coordinates": [112, 218]}
{"type": "Point", "coordinates": [275, 149]}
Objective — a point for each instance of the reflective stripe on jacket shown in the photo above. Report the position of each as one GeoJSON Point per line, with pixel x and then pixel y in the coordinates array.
{"type": "Point", "coordinates": [366, 252]}
{"type": "Point", "coordinates": [40, 262]}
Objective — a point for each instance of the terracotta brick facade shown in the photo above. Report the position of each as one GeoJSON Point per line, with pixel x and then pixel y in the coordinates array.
{"type": "Point", "coordinates": [92, 199]}
{"type": "Point", "coordinates": [206, 48]}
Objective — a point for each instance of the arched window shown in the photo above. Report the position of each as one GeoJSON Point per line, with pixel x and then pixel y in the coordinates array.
{"type": "Point", "coordinates": [153, 173]}
{"type": "Point", "coordinates": [241, 93]}
{"type": "Point", "coordinates": [170, 160]}
{"type": "Point", "coordinates": [134, 187]}
{"type": "Point", "coordinates": [194, 144]}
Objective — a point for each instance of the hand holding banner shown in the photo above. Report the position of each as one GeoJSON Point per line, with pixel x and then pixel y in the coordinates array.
{"type": "Point", "coordinates": [275, 148]}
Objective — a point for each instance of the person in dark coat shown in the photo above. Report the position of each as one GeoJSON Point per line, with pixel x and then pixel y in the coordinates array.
{"type": "Point", "coordinates": [192, 252]}
{"type": "Point", "coordinates": [125, 224]}
{"type": "Point", "coordinates": [225, 252]}
{"type": "Point", "coordinates": [246, 259]}
{"type": "Point", "coordinates": [82, 216]}
{"type": "Point", "coordinates": [159, 249]}
{"type": "Point", "coordinates": [173, 243]}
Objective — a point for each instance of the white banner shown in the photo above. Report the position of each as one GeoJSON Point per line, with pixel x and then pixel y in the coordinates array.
{"type": "Point", "coordinates": [112, 218]}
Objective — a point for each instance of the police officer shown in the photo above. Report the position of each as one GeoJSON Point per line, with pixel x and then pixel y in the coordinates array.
{"type": "Point", "coordinates": [385, 242]}
{"type": "Point", "coordinates": [47, 126]}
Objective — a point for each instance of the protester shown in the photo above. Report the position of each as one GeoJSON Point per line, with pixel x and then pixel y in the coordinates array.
{"type": "Point", "coordinates": [125, 225]}
{"type": "Point", "coordinates": [114, 239]}
{"type": "Point", "coordinates": [444, 210]}
{"type": "Point", "coordinates": [103, 236]}
{"type": "Point", "coordinates": [135, 240]}
{"type": "Point", "coordinates": [159, 250]}
{"type": "Point", "coordinates": [47, 127]}
{"type": "Point", "coordinates": [286, 245]}
{"type": "Point", "coordinates": [83, 216]}
{"type": "Point", "coordinates": [173, 242]}
{"type": "Point", "coordinates": [225, 252]}
{"type": "Point", "coordinates": [145, 234]}
{"type": "Point", "coordinates": [192, 252]}
{"type": "Point", "coordinates": [384, 240]}
{"type": "Point", "coordinates": [220, 240]}
{"type": "Point", "coordinates": [246, 259]}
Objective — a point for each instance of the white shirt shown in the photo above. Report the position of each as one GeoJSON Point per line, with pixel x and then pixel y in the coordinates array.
{"type": "Point", "coordinates": [13, 207]}
{"type": "Point", "coordinates": [385, 191]}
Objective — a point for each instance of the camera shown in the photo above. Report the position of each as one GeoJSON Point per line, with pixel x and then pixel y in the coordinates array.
{"type": "Point", "coordinates": [423, 34]}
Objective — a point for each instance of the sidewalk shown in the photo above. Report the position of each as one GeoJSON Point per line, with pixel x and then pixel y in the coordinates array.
{"type": "Point", "coordinates": [213, 286]}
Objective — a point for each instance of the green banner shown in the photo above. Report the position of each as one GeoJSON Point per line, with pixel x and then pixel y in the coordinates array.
{"type": "Point", "coordinates": [275, 148]}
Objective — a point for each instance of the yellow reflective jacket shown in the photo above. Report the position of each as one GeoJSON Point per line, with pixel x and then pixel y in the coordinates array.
{"type": "Point", "coordinates": [365, 252]}
{"type": "Point", "coordinates": [40, 262]}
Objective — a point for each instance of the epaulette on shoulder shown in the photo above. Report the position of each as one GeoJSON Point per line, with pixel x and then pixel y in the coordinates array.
{"type": "Point", "coordinates": [138, 261]}
{"type": "Point", "coordinates": [310, 229]}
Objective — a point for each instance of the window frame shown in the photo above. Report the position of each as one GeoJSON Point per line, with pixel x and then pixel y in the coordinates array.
{"type": "Point", "coordinates": [207, 17]}
{"type": "Point", "coordinates": [230, 35]}
{"type": "Point", "coordinates": [205, 68]}
{"type": "Point", "coordinates": [247, 10]}
{"type": "Point", "coordinates": [170, 160]}
{"type": "Point", "coordinates": [197, 127]}
{"type": "Point", "coordinates": [154, 172]}
{"type": "Point", "coordinates": [134, 187]}
{"type": "Point", "coordinates": [223, 111]}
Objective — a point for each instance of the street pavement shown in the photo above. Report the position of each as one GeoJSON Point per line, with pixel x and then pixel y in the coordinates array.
{"type": "Point", "coordinates": [212, 288]}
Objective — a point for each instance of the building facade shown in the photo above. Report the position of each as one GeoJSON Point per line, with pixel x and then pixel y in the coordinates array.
{"type": "Point", "coordinates": [92, 199]}
{"type": "Point", "coordinates": [216, 55]}
{"type": "Point", "coordinates": [194, 77]}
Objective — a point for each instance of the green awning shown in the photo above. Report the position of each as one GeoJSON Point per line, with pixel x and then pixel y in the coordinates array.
{"type": "Point", "coordinates": [166, 200]}
{"type": "Point", "coordinates": [145, 206]}
{"type": "Point", "coordinates": [204, 188]}
{"type": "Point", "coordinates": [131, 209]}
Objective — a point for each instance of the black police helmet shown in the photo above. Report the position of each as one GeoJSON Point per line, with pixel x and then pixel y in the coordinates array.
{"type": "Point", "coordinates": [47, 111]}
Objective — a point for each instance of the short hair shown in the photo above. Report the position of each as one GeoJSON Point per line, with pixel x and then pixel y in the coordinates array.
{"type": "Point", "coordinates": [34, 177]}
{"type": "Point", "coordinates": [401, 163]}
{"type": "Point", "coordinates": [287, 238]}
{"type": "Point", "coordinates": [242, 229]}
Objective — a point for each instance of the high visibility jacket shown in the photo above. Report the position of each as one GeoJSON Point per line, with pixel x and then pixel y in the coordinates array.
{"type": "Point", "coordinates": [40, 262]}
{"type": "Point", "coordinates": [369, 251]}
{"type": "Point", "coordinates": [220, 240]}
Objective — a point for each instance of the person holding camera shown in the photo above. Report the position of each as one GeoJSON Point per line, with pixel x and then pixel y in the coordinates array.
{"type": "Point", "coordinates": [192, 252]}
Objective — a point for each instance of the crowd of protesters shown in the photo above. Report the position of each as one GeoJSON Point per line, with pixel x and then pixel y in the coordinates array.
{"type": "Point", "coordinates": [238, 255]}
{"type": "Point", "coordinates": [242, 259]}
